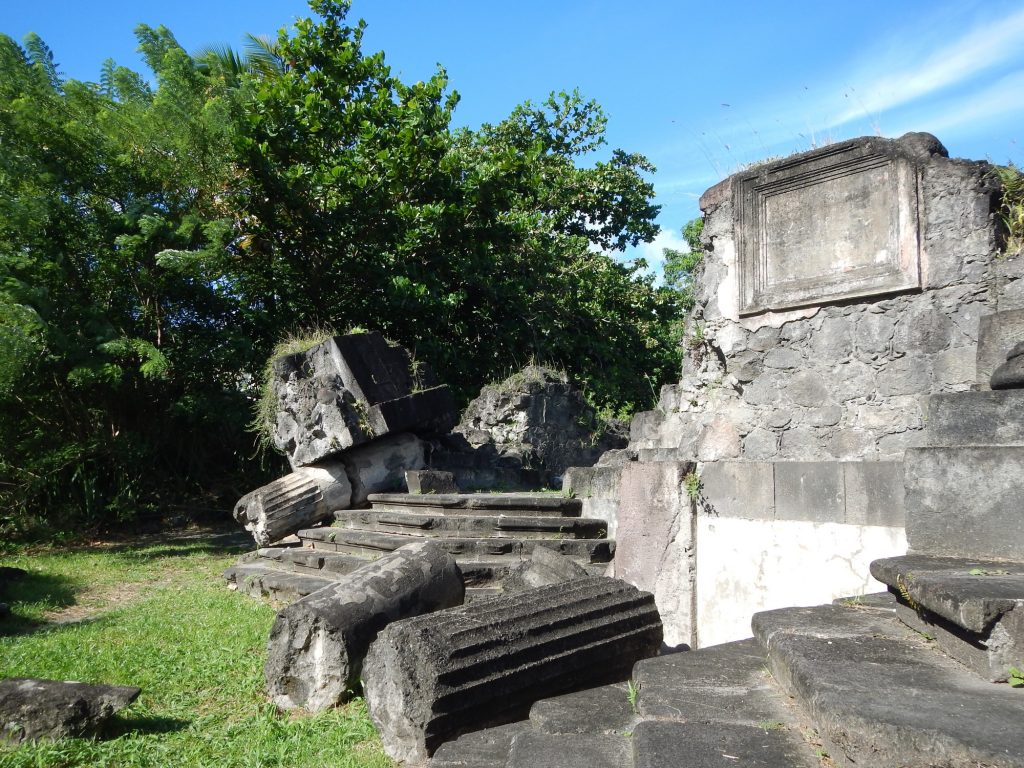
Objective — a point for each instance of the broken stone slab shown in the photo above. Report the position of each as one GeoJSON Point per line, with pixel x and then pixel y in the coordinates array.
{"type": "Point", "coordinates": [349, 390]}
{"type": "Point", "coordinates": [33, 709]}
{"type": "Point", "coordinates": [486, 748]}
{"type": "Point", "coordinates": [380, 466]}
{"type": "Point", "coordinates": [317, 644]}
{"type": "Point", "coordinates": [1010, 375]}
{"type": "Point", "coordinates": [258, 580]}
{"type": "Point", "coordinates": [293, 502]}
{"type": "Point", "coordinates": [724, 683]}
{"type": "Point", "coordinates": [881, 695]}
{"type": "Point", "coordinates": [544, 567]}
{"type": "Point", "coordinates": [429, 678]}
{"type": "Point", "coordinates": [430, 481]}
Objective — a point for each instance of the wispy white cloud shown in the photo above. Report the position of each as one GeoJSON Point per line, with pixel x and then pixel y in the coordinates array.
{"type": "Point", "coordinates": [996, 102]}
{"type": "Point", "coordinates": [892, 82]}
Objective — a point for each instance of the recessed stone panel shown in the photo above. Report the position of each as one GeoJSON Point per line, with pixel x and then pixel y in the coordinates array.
{"type": "Point", "coordinates": [837, 223]}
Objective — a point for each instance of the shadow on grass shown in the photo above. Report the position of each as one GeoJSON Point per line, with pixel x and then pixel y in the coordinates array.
{"type": "Point", "coordinates": [222, 544]}
{"type": "Point", "coordinates": [55, 592]}
{"type": "Point", "coordinates": [142, 725]}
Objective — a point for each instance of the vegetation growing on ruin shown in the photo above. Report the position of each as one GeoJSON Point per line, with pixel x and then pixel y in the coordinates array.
{"type": "Point", "coordinates": [160, 232]}
{"type": "Point", "coordinates": [117, 615]}
{"type": "Point", "coordinates": [1011, 208]}
{"type": "Point", "coordinates": [266, 403]}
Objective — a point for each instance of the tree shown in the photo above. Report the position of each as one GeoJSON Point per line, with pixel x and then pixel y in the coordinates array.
{"type": "Point", "coordinates": [119, 390]}
{"type": "Point", "coordinates": [155, 241]}
{"type": "Point", "coordinates": [680, 265]}
{"type": "Point", "coordinates": [475, 248]}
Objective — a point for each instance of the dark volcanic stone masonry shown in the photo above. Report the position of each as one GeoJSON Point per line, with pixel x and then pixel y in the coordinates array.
{"type": "Point", "coordinates": [429, 678]}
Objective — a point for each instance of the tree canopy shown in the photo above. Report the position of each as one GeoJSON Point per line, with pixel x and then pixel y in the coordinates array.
{"type": "Point", "coordinates": [159, 234]}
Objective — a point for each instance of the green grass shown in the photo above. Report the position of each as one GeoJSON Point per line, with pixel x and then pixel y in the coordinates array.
{"type": "Point", "coordinates": [161, 618]}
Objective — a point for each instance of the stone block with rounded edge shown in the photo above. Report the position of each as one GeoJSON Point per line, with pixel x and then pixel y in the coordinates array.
{"type": "Point", "coordinates": [293, 502]}
{"type": "Point", "coordinates": [429, 678]}
{"type": "Point", "coordinates": [33, 709]}
{"type": "Point", "coordinates": [317, 644]}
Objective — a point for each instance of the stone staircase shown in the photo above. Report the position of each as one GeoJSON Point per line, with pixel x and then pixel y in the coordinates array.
{"type": "Point", "coordinates": [487, 534]}
{"type": "Point", "coordinates": [833, 685]}
{"type": "Point", "coordinates": [922, 675]}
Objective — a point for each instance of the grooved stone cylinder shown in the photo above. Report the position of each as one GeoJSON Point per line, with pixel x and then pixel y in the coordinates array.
{"type": "Point", "coordinates": [317, 644]}
{"type": "Point", "coordinates": [429, 678]}
{"type": "Point", "coordinates": [293, 502]}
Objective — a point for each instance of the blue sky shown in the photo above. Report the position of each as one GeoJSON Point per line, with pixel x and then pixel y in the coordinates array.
{"type": "Point", "coordinates": [700, 88]}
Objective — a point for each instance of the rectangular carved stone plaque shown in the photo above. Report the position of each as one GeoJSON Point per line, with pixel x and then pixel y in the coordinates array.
{"type": "Point", "coordinates": [837, 223]}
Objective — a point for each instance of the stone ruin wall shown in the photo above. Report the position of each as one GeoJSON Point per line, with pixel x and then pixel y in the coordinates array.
{"type": "Point", "coordinates": [843, 378]}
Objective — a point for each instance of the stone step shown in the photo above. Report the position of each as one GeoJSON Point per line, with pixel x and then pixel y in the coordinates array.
{"type": "Point", "coordinates": [467, 525]}
{"type": "Point", "coordinates": [973, 608]}
{"type": "Point", "coordinates": [478, 504]}
{"type": "Point", "coordinates": [714, 707]}
{"type": "Point", "coordinates": [303, 560]}
{"type": "Point", "coordinates": [264, 580]}
{"type": "Point", "coordinates": [368, 543]}
{"type": "Point", "coordinates": [881, 695]}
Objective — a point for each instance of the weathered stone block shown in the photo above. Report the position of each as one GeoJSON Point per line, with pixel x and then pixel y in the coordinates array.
{"type": "Point", "coordinates": [380, 466]}
{"type": "Point", "coordinates": [874, 493]}
{"type": "Point", "coordinates": [654, 543]}
{"type": "Point", "coordinates": [974, 608]}
{"type": "Point", "coordinates": [743, 489]}
{"type": "Point", "coordinates": [427, 679]}
{"type": "Point", "coordinates": [317, 644]}
{"type": "Point", "coordinates": [542, 418]}
{"type": "Point", "coordinates": [430, 481]}
{"type": "Point", "coordinates": [349, 390]}
{"type": "Point", "coordinates": [545, 566]}
{"type": "Point", "coordinates": [49, 709]}
{"type": "Point", "coordinates": [598, 490]}
{"type": "Point", "coordinates": [976, 419]}
{"type": "Point", "coordinates": [296, 501]}
{"type": "Point", "coordinates": [965, 502]}
{"type": "Point", "coordinates": [1010, 375]}
{"type": "Point", "coordinates": [535, 749]}
{"type": "Point", "coordinates": [810, 490]}
{"type": "Point", "coordinates": [997, 334]}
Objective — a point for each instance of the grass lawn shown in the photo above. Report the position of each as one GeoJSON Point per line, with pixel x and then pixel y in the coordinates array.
{"type": "Point", "coordinates": [158, 615]}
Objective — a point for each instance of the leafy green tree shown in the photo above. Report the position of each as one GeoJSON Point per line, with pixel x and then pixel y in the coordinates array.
{"type": "Point", "coordinates": [119, 378]}
{"type": "Point", "coordinates": [478, 249]}
{"type": "Point", "coordinates": [156, 240]}
{"type": "Point", "coordinates": [680, 265]}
